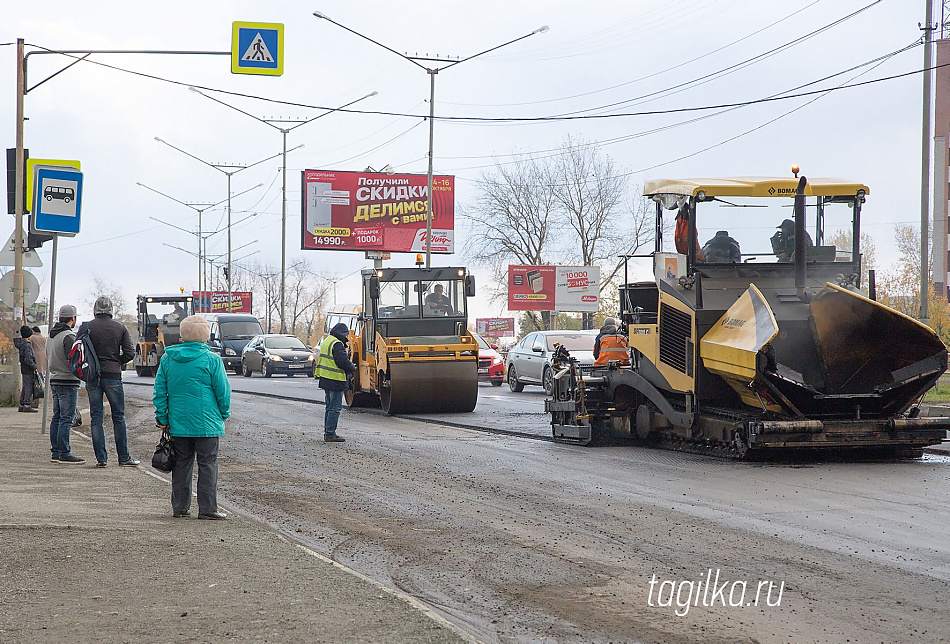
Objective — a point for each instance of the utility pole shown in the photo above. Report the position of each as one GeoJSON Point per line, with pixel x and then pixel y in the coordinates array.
{"type": "Point", "coordinates": [18, 304]}
{"type": "Point", "coordinates": [925, 166]}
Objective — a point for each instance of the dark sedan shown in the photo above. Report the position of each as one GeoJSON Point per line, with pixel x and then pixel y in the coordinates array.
{"type": "Point", "coordinates": [276, 353]}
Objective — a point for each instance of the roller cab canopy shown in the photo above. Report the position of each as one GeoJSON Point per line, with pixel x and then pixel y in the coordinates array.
{"type": "Point", "coordinates": [748, 187]}
{"type": "Point", "coordinates": [869, 360]}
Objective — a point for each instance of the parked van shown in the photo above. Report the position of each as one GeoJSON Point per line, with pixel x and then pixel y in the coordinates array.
{"type": "Point", "coordinates": [230, 332]}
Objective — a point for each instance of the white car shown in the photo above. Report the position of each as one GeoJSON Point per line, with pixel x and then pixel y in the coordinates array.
{"type": "Point", "coordinates": [529, 361]}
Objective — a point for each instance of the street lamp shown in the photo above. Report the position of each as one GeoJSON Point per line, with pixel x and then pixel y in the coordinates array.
{"type": "Point", "coordinates": [232, 170]}
{"type": "Point", "coordinates": [431, 71]}
{"type": "Point", "coordinates": [283, 210]}
{"type": "Point", "coordinates": [199, 210]}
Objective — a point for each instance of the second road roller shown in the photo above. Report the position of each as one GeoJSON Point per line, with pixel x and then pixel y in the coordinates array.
{"type": "Point", "coordinates": [411, 344]}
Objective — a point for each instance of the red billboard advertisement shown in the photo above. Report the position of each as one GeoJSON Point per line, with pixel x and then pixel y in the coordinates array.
{"type": "Point", "coordinates": [375, 212]}
{"type": "Point", "coordinates": [531, 288]}
{"type": "Point", "coordinates": [553, 288]}
{"type": "Point", "coordinates": [217, 301]}
{"type": "Point", "coordinates": [496, 327]}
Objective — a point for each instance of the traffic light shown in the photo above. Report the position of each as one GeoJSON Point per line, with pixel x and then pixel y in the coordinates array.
{"type": "Point", "coordinates": [11, 179]}
{"type": "Point", "coordinates": [226, 275]}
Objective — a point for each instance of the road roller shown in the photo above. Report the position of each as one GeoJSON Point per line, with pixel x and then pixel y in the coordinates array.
{"type": "Point", "coordinates": [761, 351]}
{"type": "Point", "coordinates": [411, 344]}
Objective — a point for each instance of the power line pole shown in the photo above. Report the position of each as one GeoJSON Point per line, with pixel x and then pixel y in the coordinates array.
{"type": "Point", "coordinates": [925, 166]}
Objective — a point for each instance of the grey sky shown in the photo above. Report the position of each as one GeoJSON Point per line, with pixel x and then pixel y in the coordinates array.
{"type": "Point", "coordinates": [640, 55]}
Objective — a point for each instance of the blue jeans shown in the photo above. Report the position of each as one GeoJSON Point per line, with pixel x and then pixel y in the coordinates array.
{"type": "Point", "coordinates": [331, 416]}
{"type": "Point", "coordinates": [112, 388]}
{"type": "Point", "coordinates": [65, 398]}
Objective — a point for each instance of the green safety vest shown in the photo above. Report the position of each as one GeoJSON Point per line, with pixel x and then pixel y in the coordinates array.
{"type": "Point", "coordinates": [326, 365]}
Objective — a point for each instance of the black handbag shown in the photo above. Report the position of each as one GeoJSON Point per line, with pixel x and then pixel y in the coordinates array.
{"type": "Point", "coordinates": [39, 386]}
{"type": "Point", "coordinates": [163, 459]}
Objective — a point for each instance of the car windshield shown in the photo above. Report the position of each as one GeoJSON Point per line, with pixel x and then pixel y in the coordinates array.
{"type": "Point", "coordinates": [240, 330]}
{"type": "Point", "coordinates": [284, 342]}
{"type": "Point", "coordinates": [572, 341]}
{"type": "Point", "coordinates": [482, 344]}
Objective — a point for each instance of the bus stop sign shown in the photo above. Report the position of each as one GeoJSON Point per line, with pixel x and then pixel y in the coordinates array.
{"type": "Point", "coordinates": [57, 200]}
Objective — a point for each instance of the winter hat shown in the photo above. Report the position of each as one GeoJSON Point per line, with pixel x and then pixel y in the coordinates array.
{"type": "Point", "coordinates": [610, 322]}
{"type": "Point", "coordinates": [103, 306]}
{"type": "Point", "coordinates": [35, 329]}
{"type": "Point", "coordinates": [195, 328]}
{"type": "Point", "coordinates": [67, 311]}
{"type": "Point", "coordinates": [25, 331]}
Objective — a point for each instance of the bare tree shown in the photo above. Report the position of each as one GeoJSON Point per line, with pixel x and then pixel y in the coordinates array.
{"type": "Point", "coordinates": [842, 240]}
{"type": "Point", "coordinates": [513, 221]}
{"type": "Point", "coordinates": [111, 290]}
{"type": "Point", "coordinates": [306, 294]}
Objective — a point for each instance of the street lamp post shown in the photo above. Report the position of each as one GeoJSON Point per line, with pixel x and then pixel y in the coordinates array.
{"type": "Point", "coordinates": [283, 212]}
{"type": "Point", "coordinates": [431, 71]}
{"type": "Point", "coordinates": [198, 208]}
{"type": "Point", "coordinates": [232, 170]}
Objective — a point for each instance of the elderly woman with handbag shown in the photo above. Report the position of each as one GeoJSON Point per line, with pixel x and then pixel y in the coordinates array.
{"type": "Point", "coordinates": [192, 399]}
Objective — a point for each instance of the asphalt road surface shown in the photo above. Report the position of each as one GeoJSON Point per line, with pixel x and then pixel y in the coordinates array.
{"type": "Point", "coordinates": [524, 540]}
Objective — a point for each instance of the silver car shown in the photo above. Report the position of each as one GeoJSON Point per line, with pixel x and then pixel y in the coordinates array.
{"type": "Point", "coordinates": [529, 361]}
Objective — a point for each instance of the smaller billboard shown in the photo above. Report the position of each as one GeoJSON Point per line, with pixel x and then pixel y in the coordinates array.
{"type": "Point", "coordinates": [495, 327]}
{"type": "Point", "coordinates": [553, 288]}
{"type": "Point", "coordinates": [217, 301]}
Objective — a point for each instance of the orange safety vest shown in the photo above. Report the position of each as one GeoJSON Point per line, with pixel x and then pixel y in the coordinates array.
{"type": "Point", "coordinates": [681, 238]}
{"type": "Point", "coordinates": [612, 347]}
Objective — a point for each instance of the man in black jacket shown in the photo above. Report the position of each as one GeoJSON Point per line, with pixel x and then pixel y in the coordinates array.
{"type": "Point", "coordinates": [114, 348]}
{"type": "Point", "coordinates": [27, 368]}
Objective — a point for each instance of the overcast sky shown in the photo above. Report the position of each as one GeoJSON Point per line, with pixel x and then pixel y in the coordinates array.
{"type": "Point", "coordinates": [599, 57]}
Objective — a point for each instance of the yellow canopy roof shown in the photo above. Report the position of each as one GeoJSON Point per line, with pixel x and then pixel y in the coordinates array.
{"type": "Point", "coordinates": [752, 187]}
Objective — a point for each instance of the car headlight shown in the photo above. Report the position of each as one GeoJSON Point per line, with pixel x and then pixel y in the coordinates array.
{"type": "Point", "coordinates": [230, 352]}
{"type": "Point", "coordinates": [496, 360]}
{"type": "Point", "coordinates": [310, 358]}
{"type": "Point", "coordinates": [276, 359]}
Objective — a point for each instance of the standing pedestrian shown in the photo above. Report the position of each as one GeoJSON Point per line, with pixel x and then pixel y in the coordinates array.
{"type": "Point", "coordinates": [64, 386]}
{"type": "Point", "coordinates": [38, 340]}
{"type": "Point", "coordinates": [27, 368]}
{"type": "Point", "coordinates": [192, 398]}
{"type": "Point", "coordinates": [333, 365]}
{"type": "Point", "coordinates": [114, 348]}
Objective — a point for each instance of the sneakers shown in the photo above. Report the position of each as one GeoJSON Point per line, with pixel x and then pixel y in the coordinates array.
{"type": "Point", "coordinates": [212, 515]}
{"type": "Point", "coordinates": [77, 421]}
{"type": "Point", "coordinates": [71, 460]}
{"type": "Point", "coordinates": [181, 513]}
{"type": "Point", "coordinates": [28, 410]}
{"type": "Point", "coordinates": [53, 459]}
{"type": "Point", "coordinates": [129, 463]}
{"type": "Point", "coordinates": [334, 439]}
{"type": "Point", "coordinates": [101, 464]}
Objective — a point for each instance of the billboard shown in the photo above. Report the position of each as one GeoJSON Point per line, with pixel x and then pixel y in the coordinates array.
{"type": "Point", "coordinates": [553, 288]}
{"type": "Point", "coordinates": [217, 301]}
{"type": "Point", "coordinates": [495, 327]}
{"type": "Point", "coordinates": [375, 212]}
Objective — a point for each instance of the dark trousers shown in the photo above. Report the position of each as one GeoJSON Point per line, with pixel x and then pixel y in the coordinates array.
{"type": "Point", "coordinates": [26, 393]}
{"type": "Point", "coordinates": [187, 449]}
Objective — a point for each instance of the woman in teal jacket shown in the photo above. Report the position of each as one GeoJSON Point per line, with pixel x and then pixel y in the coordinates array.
{"type": "Point", "coordinates": [192, 398]}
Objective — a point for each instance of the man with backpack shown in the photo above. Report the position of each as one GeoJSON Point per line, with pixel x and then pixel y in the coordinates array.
{"type": "Point", "coordinates": [113, 348]}
{"type": "Point", "coordinates": [64, 386]}
{"type": "Point", "coordinates": [27, 368]}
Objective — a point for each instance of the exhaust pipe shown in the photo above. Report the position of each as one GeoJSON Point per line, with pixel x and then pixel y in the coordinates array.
{"type": "Point", "coordinates": [800, 239]}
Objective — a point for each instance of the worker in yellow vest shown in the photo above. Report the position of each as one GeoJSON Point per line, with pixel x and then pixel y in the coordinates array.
{"type": "Point", "coordinates": [333, 365]}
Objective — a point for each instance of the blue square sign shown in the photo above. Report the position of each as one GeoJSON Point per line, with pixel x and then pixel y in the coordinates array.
{"type": "Point", "coordinates": [257, 48]}
{"type": "Point", "coordinates": [57, 199]}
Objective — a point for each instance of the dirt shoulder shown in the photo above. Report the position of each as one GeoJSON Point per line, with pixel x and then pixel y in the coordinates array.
{"type": "Point", "coordinates": [93, 555]}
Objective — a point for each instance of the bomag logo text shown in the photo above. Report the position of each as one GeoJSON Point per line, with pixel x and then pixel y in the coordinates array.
{"type": "Point", "coordinates": [781, 191]}
{"type": "Point", "coordinates": [733, 322]}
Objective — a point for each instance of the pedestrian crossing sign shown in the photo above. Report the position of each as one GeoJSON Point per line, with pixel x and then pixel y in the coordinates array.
{"type": "Point", "coordinates": [257, 48]}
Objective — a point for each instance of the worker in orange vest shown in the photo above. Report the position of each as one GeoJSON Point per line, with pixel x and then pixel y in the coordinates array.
{"type": "Point", "coordinates": [612, 346]}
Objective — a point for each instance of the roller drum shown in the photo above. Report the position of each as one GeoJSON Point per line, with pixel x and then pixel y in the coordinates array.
{"type": "Point", "coordinates": [430, 387]}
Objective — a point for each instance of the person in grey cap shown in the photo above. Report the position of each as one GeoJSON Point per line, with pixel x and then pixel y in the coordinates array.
{"type": "Point", "coordinates": [609, 328]}
{"type": "Point", "coordinates": [64, 386]}
{"type": "Point", "coordinates": [114, 348]}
